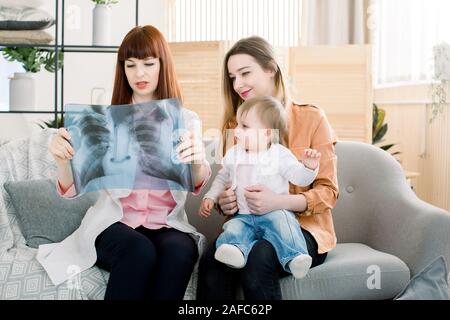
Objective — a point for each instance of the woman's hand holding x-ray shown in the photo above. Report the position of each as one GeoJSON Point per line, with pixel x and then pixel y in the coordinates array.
{"type": "Point", "coordinates": [62, 152]}
{"type": "Point", "coordinates": [191, 150]}
{"type": "Point", "coordinates": [60, 148]}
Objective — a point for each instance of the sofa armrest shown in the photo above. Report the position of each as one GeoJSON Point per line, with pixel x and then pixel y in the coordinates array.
{"type": "Point", "coordinates": [377, 207]}
{"type": "Point", "coordinates": [409, 228]}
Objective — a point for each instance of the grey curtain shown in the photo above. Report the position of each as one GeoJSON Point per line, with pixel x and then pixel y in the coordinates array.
{"type": "Point", "coordinates": [334, 22]}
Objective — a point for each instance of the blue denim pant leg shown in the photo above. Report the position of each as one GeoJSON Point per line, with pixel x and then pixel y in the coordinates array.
{"type": "Point", "coordinates": [282, 230]}
{"type": "Point", "coordinates": [239, 231]}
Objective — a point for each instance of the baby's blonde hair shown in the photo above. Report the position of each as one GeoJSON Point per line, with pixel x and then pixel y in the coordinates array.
{"type": "Point", "coordinates": [272, 114]}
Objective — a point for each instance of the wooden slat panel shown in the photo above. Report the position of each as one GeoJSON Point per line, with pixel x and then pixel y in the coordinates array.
{"type": "Point", "coordinates": [199, 71]}
{"type": "Point", "coordinates": [436, 167]}
{"type": "Point", "coordinates": [338, 80]}
{"type": "Point", "coordinates": [348, 125]}
{"type": "Point", "coordinates": [424, 147]}
{"type": "Point", "coordinates": [407, 137]}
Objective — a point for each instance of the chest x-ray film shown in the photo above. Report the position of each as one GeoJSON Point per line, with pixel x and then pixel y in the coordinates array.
{"type": "Point", "coordinates": [127, 146]}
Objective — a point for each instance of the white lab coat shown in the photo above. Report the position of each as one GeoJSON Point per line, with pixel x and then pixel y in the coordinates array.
{"type": "Point", "coordinates": [77, 252]}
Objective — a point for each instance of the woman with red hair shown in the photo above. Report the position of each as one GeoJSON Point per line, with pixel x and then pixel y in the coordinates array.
{"type": "Point", "coordinates": [142, 237]}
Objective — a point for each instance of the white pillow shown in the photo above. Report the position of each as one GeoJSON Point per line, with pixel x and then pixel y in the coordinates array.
{"type": "Point", "coordinates": [21, 3]}
{"type": "Point", "coordinates": [13, 18]}
{"type": "Point", "coordinates": [25, 36]}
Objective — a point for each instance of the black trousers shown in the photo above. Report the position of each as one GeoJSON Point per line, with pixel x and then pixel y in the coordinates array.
{"type": "Point", "coordinates": [144, 263]}
{"type": "Point", "coordinates": [259, 278]}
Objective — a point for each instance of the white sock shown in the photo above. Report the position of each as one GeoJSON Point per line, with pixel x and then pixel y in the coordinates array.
{"type": "Point", "coordinates": [300, 265]}
{"type": "Point", "coordinates": [230, 255]}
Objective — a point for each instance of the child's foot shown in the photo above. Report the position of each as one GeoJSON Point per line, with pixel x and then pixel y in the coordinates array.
{"type": "Point", "coordinates": [300, 265]}
{"type": "Point", "coordinates": [230, 255]}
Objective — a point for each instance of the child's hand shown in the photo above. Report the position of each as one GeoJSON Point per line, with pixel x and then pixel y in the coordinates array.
{"type": "Point", "coordinates": [311, 158]}
{"type": "Point", "coordinates": [206, 207]}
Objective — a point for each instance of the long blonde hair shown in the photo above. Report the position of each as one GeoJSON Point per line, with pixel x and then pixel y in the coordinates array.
{"type": "Point", "coordinates": [264, 54]}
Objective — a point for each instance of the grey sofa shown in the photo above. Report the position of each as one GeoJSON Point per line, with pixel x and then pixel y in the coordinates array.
{"type": "Point", "coordinates": [386, 234]}
{"type": "Point", "coordinates": [383, 230]}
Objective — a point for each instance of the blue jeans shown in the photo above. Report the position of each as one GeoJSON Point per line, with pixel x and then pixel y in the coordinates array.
{"type": "Point", "coordinates": [279, 227]}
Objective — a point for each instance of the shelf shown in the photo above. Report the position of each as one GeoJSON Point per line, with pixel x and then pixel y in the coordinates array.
{"type": "Point", "coordinates": [34, 111]}
{"type": "Point", "coordinates": [59, 45]}
{"type": "Point", "coordinates": [67, 48]}
{"type": "Point", "coordinates": [93, 49]}
{"type": "Point", "coordinates": [28, 45]}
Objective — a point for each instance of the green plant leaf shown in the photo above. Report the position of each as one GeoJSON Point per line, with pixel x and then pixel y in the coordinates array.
{"type": "Point", "coordinates": [380, 121]}
{"type": "Point", "coordinates": [52, 123]}
{"type": "Point", "coordinates": [374, 117]}
{"type": "Point", "coordinates": [377, 123]}
{"type": "Point", "coordinates": [49, 61]}
{"type": "Point", "coordinates": [32, 58]}
{"type": "Point", "coordinates": [380, 134]}
{"type": "Point", "coordinates": [379, 128]}
{"type": "Point", "coordinates": [381, 115]}
{"type": "Point", "coordinates": [387, 147]}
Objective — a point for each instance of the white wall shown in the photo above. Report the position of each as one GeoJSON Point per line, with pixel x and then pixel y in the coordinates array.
{"type": "Point", "coordinates": [82, 71]}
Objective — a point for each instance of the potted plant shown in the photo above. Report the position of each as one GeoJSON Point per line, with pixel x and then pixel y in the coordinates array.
{"type": "Point", "coordinates": [101, 22]}
{"type": "Point", "coordinates": [441, 79]}
{"type": "Point", "coordinates": [21, 89]}
{"type": "Point", "coordinates": [379, 129]}
{"type": "Point", "coordinates": [58, 123]}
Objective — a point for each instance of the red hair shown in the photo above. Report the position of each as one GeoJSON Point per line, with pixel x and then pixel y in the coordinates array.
{"type": "Point", "coordinates": [141, 43]}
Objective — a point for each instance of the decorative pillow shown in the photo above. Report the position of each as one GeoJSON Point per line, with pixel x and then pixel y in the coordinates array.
{"type": "Point", "coordinates": [25, 37]}
{"type": "Point", "coordinates": [22, 3]}
{"type": "Point", "coordinates": [44, 216]}
{"type": "Point", "coordinates": [13, 18]}
{"type": "Point", "coordinates": [429, 284]}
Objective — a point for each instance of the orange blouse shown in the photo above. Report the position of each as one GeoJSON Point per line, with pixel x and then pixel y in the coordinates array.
{"type": "Point", "coordinates": [309, 128]}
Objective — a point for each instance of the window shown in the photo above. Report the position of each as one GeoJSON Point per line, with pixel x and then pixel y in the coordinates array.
{"type": "Point", "coordinates": [404, 35]}
{"type": "Point", "coordinates": [278, 21]}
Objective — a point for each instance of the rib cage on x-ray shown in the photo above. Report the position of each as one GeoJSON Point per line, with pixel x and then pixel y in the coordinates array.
{"type": "Point", "coordinates": [95, 136]}
{"type": "Point", "coordinates": [127, 142]}
{"type": "Point", "coordinates": [154, 134]}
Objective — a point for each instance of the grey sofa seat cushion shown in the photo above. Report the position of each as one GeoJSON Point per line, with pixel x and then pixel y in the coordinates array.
{"type": "Point", "coordinates": [44, 216]}
{"type": "Point", "coordinates": [350, 272]}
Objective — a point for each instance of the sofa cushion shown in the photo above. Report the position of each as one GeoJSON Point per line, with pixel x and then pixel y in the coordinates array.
{"type": "Point", "coordinates": [44, 216]}
{"type": "Point", "coordinates": [16, 18]}
{"type": "Point", "coordinates": [23, 278]}
{"type": "Point", "coordinates": [25, 37]}
{"type": "Point", "coordinates": [351, 271]}
{"type": "Point", "coordinates": [429, 284]}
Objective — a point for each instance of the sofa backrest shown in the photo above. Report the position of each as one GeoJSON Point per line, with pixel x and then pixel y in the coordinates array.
{"type": "Point", "coordinates": [363, 170]}
{"type": "Point", "coordinates": [22, 159]}
{"type": "Point", "coordinates": [366, 173]}
{"type": "Point", "coordinates": [210, 227]}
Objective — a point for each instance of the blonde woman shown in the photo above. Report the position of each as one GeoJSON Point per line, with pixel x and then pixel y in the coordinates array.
{"type": "Point", "coordinates": [251, 70]}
